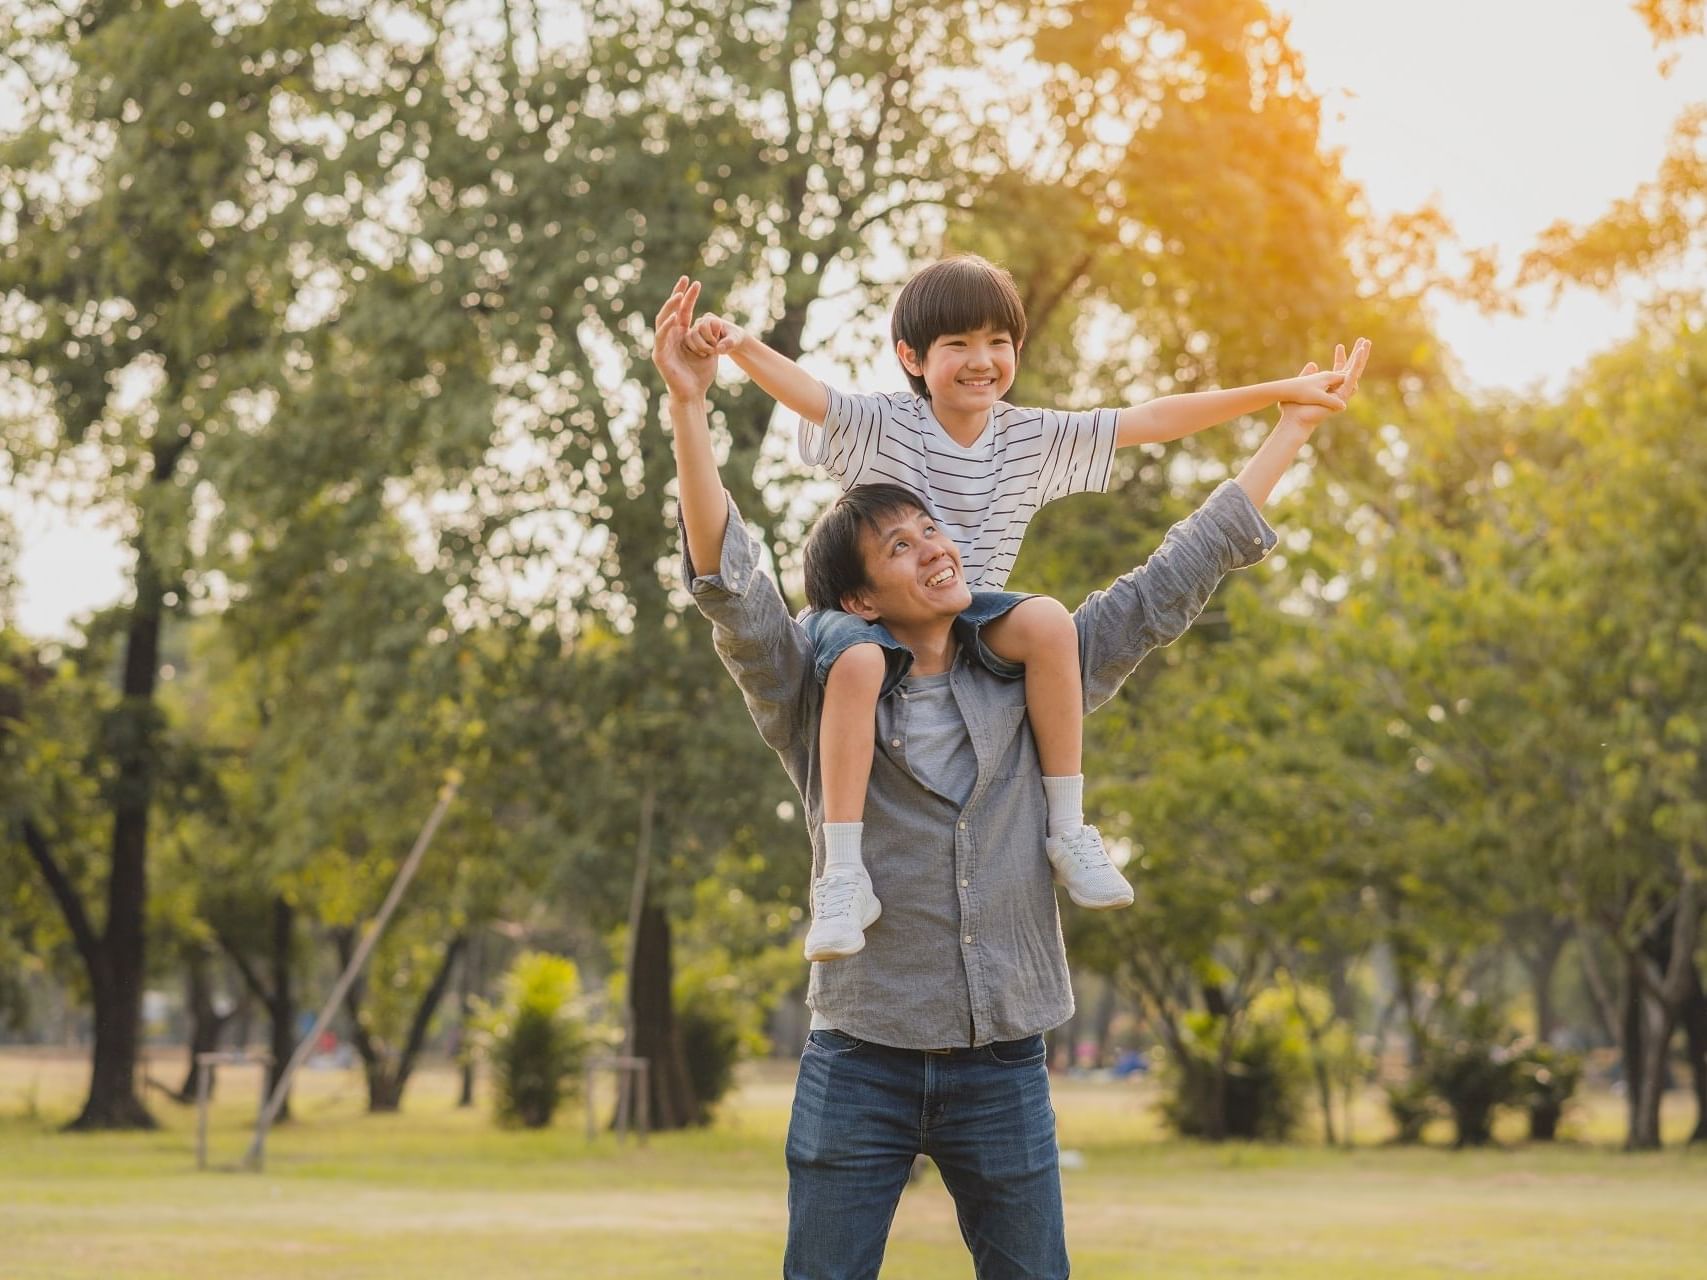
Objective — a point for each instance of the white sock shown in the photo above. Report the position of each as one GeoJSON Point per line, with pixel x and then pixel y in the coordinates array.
{"type": "Point", "coordinates": [1066, 797]}
{"type": "Point", "coordinates": [841, 847]}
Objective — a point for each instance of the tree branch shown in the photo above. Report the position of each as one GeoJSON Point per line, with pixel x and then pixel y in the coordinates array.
{"type": "Point", "coordinates": [65, 894]}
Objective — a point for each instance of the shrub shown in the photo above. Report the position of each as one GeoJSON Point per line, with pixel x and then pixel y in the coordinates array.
{"type": "Point", "coordinates": [536, 1041]}
{"type": "Point", "coordinates": [1547, 1077]}
{"type": "Point", "coordinates": [1266, 1079]}
{"type": "Point", "coordinates": [1475, 1072]}
{"type": "Point", "coordinates": [1412, 1105]}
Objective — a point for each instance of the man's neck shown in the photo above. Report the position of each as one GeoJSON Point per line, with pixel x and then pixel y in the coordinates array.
{"type": "Point", "coordinates": [933, 648]}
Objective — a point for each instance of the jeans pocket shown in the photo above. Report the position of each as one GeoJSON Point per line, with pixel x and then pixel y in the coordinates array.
{"type": "Point", "coordinates": [1024, 1052]}
{"type": "Point", "coordinates": [832, 1042]}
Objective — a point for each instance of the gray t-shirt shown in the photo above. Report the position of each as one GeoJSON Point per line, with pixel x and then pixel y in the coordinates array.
{"type": "Point", "coordinates": [941, 751]}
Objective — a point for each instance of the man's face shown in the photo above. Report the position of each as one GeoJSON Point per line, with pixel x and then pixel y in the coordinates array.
{"type": "Point", "coordinates": [966, 372]}
{"type": "Point", "coordinates": [913, 568]}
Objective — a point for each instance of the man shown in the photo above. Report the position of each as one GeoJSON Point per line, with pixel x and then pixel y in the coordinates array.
{"type": "Point", "coordinates": [930, 1039]}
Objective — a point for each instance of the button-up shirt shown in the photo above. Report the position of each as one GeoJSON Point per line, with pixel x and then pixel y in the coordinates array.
{"type": "Point", "coordinates": [968, 948]}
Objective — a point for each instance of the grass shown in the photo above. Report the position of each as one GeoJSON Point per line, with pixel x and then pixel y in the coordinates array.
{"type": "Point", "coordinates": [441, 1192]}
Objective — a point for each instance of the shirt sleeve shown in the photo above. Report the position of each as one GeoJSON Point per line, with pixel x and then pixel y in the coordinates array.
{"type": "Point", "coordinates": [1078, 453]}
{"type": "Point", "coordinates": [1154, 604]}
{"type": "Point", "coordinates": [758, 642]}
{"type": "Point", "coordinates": [853, 426]}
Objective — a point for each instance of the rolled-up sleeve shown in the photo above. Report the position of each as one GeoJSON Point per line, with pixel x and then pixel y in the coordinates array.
{"type": "Point", "coordinates": [1154, 604]}
{"type": "Point", "coordinates": [756, 638]}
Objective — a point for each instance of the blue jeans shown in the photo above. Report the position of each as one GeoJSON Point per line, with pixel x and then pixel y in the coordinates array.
{"type": "Point", "coordinates": [833, 632]}
{"type": "Point", "coordinates": [863, 1111]}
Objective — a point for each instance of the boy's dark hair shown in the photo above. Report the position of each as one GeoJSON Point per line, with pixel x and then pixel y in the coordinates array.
{"type": "Point", "coordinates": [835, 562]}
{"type": "Point", "coordinates": [956, 295]}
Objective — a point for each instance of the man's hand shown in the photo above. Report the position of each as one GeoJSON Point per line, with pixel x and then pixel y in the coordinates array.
{"type": "Point", "coordinates": [686, 374]}
{"type": "Point", "coordinates": [1346, 372]}
{"type": "Point", "coordinates": [714, 336]}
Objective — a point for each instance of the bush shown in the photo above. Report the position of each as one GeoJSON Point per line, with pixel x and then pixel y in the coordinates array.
{"type": "Point", "coordinates": [536, 1041]}
{"type": "Point", "coordinates": [711, 1043]}
{"type": "Point", "coordinates": [1547, 1077]}
{"type": "Point", "coordinates": [1267, 1077]}
{"type": "Point", "coordinates": [1475, 1072]}
{"type": "Point", "coordinates": [1412, 1105]}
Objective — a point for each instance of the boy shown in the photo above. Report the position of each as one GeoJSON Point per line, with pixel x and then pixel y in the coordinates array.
{"type": "Point", "coordinates": [984, 467]}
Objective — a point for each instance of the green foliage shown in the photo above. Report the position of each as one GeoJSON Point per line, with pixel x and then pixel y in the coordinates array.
{"type": "Point", "coordinates": [1258, 1083]}
{"type": "Point", "coordinates": [1475, 1070]}
{"type": "Point", "coordinates": [535, 1039]}
{"type": "Point", "coordinates": [1547, 1079]}
{"type": "Point", "coordinates": [1412, 1106]}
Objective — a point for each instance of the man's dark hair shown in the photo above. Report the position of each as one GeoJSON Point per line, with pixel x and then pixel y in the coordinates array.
{"type": "Point", "coordinates": [835, 562]}
{"type": "Point", "coordinates": [956, 295]}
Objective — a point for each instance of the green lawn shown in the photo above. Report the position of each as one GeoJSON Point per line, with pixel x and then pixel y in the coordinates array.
{"type": "Point", "coordinates": [437, 1192]}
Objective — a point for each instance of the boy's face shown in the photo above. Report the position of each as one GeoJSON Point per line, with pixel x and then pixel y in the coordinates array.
{"type": "Point", "coordinates": [913, 568]}
{"type": "Point", "coordinates": [965, 372]}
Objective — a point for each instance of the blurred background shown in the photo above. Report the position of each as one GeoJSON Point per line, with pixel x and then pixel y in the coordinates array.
{"type": "Point", "coordinates": [332, 466]}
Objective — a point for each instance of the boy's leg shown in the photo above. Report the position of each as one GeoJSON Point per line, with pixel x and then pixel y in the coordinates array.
{"type": "Point", "coordinates": [843, 905]}
{"type": "Point", "coordinates": [847, 733]}
{"type": "Point", "coordinates": [1038, 633]}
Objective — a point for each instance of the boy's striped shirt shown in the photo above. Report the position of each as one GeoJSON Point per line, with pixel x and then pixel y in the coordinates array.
{"type": "Point", "coordinates": [985, 495]}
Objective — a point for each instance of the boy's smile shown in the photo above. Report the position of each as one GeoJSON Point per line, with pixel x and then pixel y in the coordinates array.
{"type": "Point", "coordinates": [966, 373]}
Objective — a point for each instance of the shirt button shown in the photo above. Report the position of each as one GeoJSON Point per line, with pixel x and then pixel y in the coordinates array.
{"type": "Point", "coordinates": [963, 826]}
{"type": "Point", "coordinates": [1257, 540]}
{"type": "Point", "coordinates": [964, 883]}
{"type": "Point", "coordinates": [967, 939]}
{"type": "Point", "coordinates": [894, 742]}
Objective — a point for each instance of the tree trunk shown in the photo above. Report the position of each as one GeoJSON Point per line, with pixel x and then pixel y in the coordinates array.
{"type": "Point", "coordinates": [1658, 1025]}
{"type": "Point", "coordinates": [1695, 1032]}
{"type": "Point", "coordinates": [207, 1024]}
{"type": "Point", "coordinates": [131, 734]}
{"type": "Point", "coordinates": [113, 1102]}
{"type": "Point", "coordinates": [388, 1071]}
{"type": "Point", "coordinates": [1633, 1046]}
{"type": "Point", "coordinates": [672, 1102]}
{"type": "Point", "coordinates": [1542, 964]}
{"type": "Point", "coordinates": [468, 980]}
{"type": "Point", "coordinates": [281, 1001]}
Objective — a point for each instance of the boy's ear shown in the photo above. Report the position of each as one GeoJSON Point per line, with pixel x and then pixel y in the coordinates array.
{"type": "Point", "coordinates": [909, 360]}
{"type": "Point", "coordinates": [859, 604]}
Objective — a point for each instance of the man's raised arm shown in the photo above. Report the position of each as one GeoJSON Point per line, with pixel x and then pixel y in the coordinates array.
{"type": "Point", "coordinates": [764, 649]}
{"type": "Point", "coordinates": [705, 510]}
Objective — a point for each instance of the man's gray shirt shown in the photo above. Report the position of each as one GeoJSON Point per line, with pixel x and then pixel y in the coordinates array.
{"type": "Point", "coordinates": [968, 949]}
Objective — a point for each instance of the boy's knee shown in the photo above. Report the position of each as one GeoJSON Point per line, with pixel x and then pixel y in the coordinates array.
{"type": "Point", "coordinates": [1038, 624]}
{"type": "Point", "coordinates": [858, 667]}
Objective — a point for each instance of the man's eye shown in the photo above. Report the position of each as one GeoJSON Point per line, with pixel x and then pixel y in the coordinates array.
{"type": "Point", "coordinates": [900, 546]}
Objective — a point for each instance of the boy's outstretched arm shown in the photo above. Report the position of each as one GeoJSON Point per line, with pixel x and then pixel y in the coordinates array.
{"type": "Point", "coordinates": [1297, 421]}
{"type": "Point", "coordinates": [1171, 417]}
{"type": "Point", "coordinates": [780, 378]}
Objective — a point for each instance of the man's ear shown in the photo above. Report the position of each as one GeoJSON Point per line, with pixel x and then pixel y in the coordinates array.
{"type": "Point", "coordinates": [909, 360]}
{"type": "Point", "coordinates": [859, 604]}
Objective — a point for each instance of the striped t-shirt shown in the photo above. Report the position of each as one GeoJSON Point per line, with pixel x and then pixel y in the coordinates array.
{"type": "Point", "coordinates": [986, 494]}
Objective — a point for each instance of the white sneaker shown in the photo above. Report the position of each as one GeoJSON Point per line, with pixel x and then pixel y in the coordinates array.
{"type": "Point", "coordinates": [843, 908]}
{"type": "Point", "coordinates": [1082, 865]}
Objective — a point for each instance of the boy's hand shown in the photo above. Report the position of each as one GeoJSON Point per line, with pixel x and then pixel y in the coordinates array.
{"type": "Point", "coordinates": [1346, 371]}
{"type": "Point", "coordinates": [686, 374]}
{"type": "Point", "coordinates": [714, 336]}
{"type": "Point", "coordinates": [1310, 387]}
